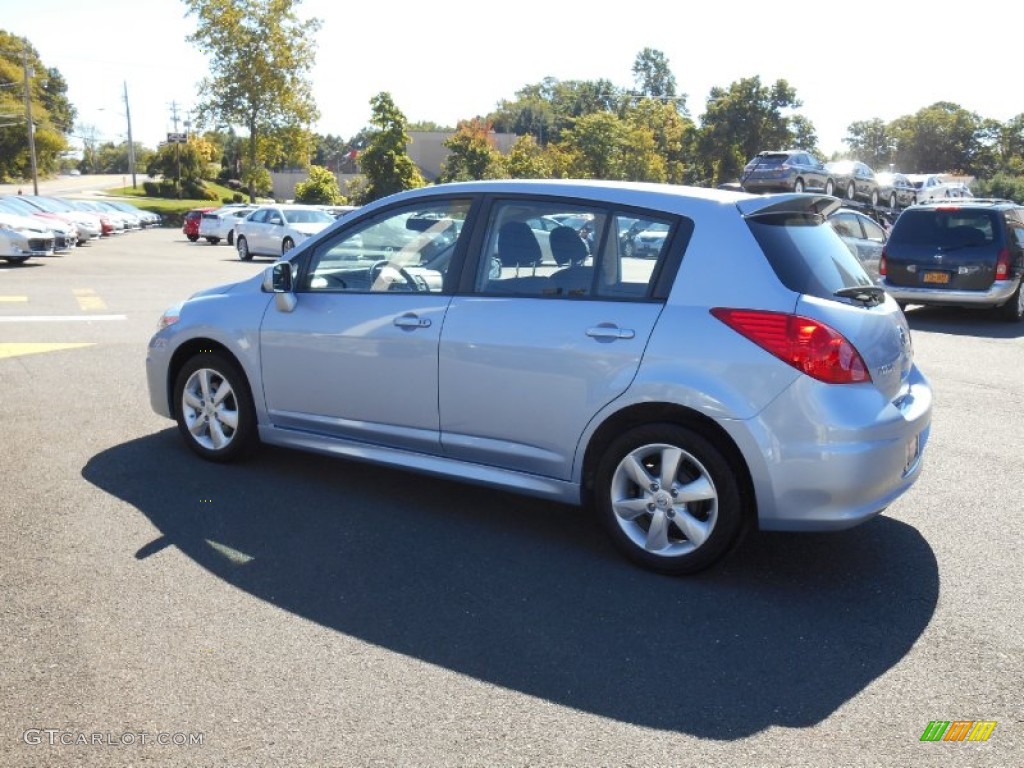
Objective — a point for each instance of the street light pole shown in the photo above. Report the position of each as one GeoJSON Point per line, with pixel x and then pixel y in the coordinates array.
{"type": "Point", "coordinates": [28, 117]}
{"type": "Point", "coordinates": [131, 144]}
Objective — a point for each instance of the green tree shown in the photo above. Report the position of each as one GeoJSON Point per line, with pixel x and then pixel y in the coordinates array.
{"type": "Point", "coordinates": [744, 119]}
{"type": "Point", "coordinates": [385, 162]}
{"type": "Point", "coordinates": [871, 142]}
{"type": "Point", "coordinates": [473, 155]}
{"type": "Point", "coordinates": [260, 53]}
{"type": "Point", "coordinates": [942, 137]}
{"type": "Point", "coordinates": [52, 113]}
{"type": "Point", "coordinates": [528, 160]}
{"type": "Point", "coordinates": [596, 142]}
{"type": "Point", "coordinates": [654, 79]}
{"type": "Point", "coordinates": [321, 188]}
{"type": "Point", "coordinates": [673, 136]}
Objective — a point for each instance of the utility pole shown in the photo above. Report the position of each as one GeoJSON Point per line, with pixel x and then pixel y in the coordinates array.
{"type": "Point", "coordinates": [28, 116]}
{"type": "Point", "coordinates": [131, 144]}
{"type": "Point", "coordinates": [177, 148]}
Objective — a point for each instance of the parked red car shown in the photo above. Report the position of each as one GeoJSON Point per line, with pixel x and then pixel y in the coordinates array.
{"type": "Point", "coordinates": [190, 227]}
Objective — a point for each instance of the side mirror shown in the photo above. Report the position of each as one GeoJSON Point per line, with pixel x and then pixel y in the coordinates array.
{"type": "Point", "coordinates": [279, 279]}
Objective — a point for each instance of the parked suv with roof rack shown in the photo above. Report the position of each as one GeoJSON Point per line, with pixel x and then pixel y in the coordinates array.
{"type": "Point", "coordinates": [964, 253]}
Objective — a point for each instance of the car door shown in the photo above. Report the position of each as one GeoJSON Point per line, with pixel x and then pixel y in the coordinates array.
{"type": "Point", "coordinates": [532, 350]}
{"type": "Point", "coordinates": [357, 356]}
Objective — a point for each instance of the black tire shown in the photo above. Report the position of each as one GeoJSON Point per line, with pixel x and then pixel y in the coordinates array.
{"type": "Point", "coordinates": [798, 186]}
{"type": "Point", "coordinates": [874, 198]}
{"type": "Point", "coordinates": [192, 238]}
{"type": "Point", "coordinates": [243, 249]}
{"type": "Point", "coordinates": [851, 191]}
{"type": "Point", "coordinates": [645, 522]}
{"type": "Point", "coordinates": [892, 201]}
{"type": "Point", "coordinates": [830, 187]}
{"type": "Point", "coordinates": [286, 245]}
{"type": "Point", "coordinates": [213, 240]}
{"type": "Point", "coordinates": [217, 424]}
{"type": "Point", "coordinates": [628, 249]}
{"type": "Point", "coordinates": [16, 261]}
{"type": "Point", "coordinates": [1013, 310]}
{"type": "Point", "coordinates": [231, 237]}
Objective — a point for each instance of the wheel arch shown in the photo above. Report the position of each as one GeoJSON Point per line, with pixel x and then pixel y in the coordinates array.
{"type": "Point", "coordinates": [190, 349]}
{"type": "Point", "coordinates": [667, 413]}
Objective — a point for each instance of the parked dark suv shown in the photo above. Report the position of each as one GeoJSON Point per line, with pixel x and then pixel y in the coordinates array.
{"type": "Point", "coordinates": [791, 170]}
{"type": "Point", "coordinates": [968, 253]}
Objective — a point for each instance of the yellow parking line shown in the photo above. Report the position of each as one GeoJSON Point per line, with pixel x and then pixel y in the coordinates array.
{"type": "Point", "coordinates": [14, 349]}
{"type": "Point", "coordinates": [88, 300]}
{"type": "Point", "coordinates": [13, 299]}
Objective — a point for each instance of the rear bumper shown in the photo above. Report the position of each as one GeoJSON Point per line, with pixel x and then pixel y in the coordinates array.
{"type": "Point", "coordinates": [842, 460]}
{"type": "Point", "coordinates": [999, 293]}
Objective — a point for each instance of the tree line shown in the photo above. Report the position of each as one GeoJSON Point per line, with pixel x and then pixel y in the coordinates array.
{"type": "Point", "coordinates": [256, 108]}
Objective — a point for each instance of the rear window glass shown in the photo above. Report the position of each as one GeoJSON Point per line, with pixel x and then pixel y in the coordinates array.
{"type": "Point", "coordinates": [807, 254]}
{"type": "Point", "coordinates": [953, 228]}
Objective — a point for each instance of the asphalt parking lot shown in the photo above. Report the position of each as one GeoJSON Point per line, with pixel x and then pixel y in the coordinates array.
{"type": "Point", "coordinates": [296, 610]}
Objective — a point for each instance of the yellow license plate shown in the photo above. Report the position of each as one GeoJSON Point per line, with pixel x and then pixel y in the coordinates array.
{"type": "Point", "coordinates": [936, 277]}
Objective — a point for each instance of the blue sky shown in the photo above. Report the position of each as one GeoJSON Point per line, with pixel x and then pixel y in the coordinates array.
{"type": "Point", "coordinates": [456, 59]}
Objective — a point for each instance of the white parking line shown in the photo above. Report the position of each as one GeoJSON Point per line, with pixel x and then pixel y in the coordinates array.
{"type": "Point", "coordinates": [58, 318]}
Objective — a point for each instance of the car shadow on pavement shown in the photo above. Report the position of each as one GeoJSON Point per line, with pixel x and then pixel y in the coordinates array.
{"type": "Point", "coordinates": [530, 595]}
{"type": "Point", "coordinates": [955, 321]}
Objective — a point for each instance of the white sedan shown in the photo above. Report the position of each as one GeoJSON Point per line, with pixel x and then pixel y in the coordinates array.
{"type": "Point", "coordinates": [219, 225]}
{"type": "Point", "coordinates": [273, 230]}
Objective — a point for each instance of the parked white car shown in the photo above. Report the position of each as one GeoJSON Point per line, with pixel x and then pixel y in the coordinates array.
{"type": "Point", "coordinates": [931, 186]}
{"type": "Point", "coordinates": [273, 230]}
{"type": "Point", "coordinates": [22, 237]}
{"type": "Point", "coordinates": [218, 225]}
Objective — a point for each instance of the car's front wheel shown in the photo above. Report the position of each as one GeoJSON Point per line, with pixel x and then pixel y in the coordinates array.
{"type": "Point", "coordinates": [892, 201]}
{"type": "Point", "coordinates": [243, 249]}
{"type": "Point", "coordinates": [851, 191]}
{"type": "Point", "coordinates": [669, 498]}
{"type": "Point", "coordinates": [874, 198]}
{"type": "Point", "coordinates": [286, 245]}
{"type": "Point", "coordinates": [798, 186]}
{"type": "Point", "coordinates": [830, 187]}
{"type": "Point", "coordinates": [192, 238]}
{"type": "Point", "coordinates": [213, 408]}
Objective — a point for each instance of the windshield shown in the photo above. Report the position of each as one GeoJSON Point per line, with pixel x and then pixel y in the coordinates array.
{"type": "Point", "coordinates": [311, 216]}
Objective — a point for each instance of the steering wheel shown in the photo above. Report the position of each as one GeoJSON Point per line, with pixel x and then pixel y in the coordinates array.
{"type": "Point", "coordinates": [378, 267]}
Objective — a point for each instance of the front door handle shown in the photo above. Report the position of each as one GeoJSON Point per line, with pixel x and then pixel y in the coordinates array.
{"type": "Point", "coordinates": [412, 321]}
{"type": "Point", "coordinates": [610, 332]}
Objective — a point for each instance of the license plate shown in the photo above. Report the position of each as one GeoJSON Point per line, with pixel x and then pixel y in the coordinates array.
{"type": "Point", "coordinates": [936, 277]}
{"type": "Point", "coordinates": [913, 451]}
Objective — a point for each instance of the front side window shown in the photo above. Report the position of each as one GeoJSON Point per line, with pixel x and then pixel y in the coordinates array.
{"type": "Point", "coordinates": [563, 250]}
{"type": "Point", "coordinates": [405, 249]}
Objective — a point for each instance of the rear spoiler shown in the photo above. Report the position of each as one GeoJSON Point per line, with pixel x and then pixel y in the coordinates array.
{"type": "Point", "coordinates": [768, 205]}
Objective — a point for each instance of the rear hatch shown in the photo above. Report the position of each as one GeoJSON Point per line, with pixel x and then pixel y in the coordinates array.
{"type": "Point", "coordinates": [948, 247]}
{"type": "Point", "coordinates": [767, 166]}
{"type": "Point", "coordinates": [830, 284]}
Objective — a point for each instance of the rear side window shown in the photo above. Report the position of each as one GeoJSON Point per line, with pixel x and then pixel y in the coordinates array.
{"type": "Point", "coordinates": [806, 254]}
{"type": "Point", "coordinates": [952, 228]}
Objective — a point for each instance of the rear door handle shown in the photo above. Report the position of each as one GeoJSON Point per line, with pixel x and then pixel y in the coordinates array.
{"type": "Point", "coordinates": [610, 332]}
{"type": "Point", "coordinates": [412, 321]}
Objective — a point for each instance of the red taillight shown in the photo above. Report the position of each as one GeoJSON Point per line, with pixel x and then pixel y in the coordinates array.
{"type": "Point", "coordinates": [883, 264]}
{"type": "Point", "coordinates": [1003, 264]}
{"type": "Point", "coordinates": [808, 345]}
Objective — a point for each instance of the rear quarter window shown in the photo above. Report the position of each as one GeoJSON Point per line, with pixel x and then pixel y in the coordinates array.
{"type": "Point", "coordinates": [806, 254]}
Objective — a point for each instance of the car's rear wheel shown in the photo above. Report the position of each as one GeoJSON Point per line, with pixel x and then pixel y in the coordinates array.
{"type": "Point", "coordinates": [798, 185]}
{"type": "Point", "coordinates": [1013, 310]}
{"type": "Point", "coordinates": [192, 238]}
{"type": "Point", "coordinates": [286, 245]}
{"type": "Point", "coordinates": [851, 191]}
{"type": "Point", "coordinates": [830, 187]}
{"type": "Point", "coordinates": [214, 409]}
{"type": "Point", "coordinates": [15, 260]}
{"type": "Point", "coordinates": [213, 240]}
{"type": "Point", "coordinates": [243, 249]}
{"type": "Point", "coordinates": [892, 201]}
{"type": "Point", "coordinates": [874, 198]}
{"type": "Point", "coordinates": [669, 498]}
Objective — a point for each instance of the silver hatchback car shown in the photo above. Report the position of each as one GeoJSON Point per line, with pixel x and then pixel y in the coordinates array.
{"type": "Point", "coordinates": [749, 374]}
